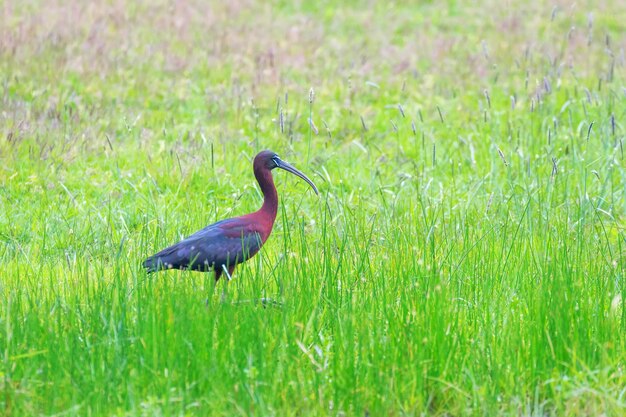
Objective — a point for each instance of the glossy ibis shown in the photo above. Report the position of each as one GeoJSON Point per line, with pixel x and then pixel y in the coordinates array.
{"type": "Point", "coordinates": [223, 245]}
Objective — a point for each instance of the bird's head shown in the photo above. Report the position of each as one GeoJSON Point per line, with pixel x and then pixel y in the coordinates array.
{"type": "Point", "coordinates": [269, 160]}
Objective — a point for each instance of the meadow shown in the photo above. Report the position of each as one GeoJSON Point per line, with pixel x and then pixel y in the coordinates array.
{"type": "Point", "coordinates": [466, 255]}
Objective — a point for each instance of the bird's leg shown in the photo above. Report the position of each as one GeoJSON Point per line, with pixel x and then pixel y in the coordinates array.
{"type": "Point", "coordinates": [213, 285]}
{"type": "Point", "coordinates": [218, 271]}
{"type": "Point", "coordinates": [223, 297]}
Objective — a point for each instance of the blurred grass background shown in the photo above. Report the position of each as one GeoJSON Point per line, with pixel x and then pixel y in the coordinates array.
{"type": "Point", "coordinates": [466, 256]}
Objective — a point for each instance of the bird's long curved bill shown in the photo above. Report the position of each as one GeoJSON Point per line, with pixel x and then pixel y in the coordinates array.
{"type": "Point", "coordinates": [288, 167]}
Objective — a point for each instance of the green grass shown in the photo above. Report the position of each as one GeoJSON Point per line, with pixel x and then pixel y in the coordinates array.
{"type": "Point", "coordinates": [466, 256]}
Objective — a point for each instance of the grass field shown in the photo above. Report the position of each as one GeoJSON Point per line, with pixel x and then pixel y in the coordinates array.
{"type": "Point", "coordinates": [466, 256]}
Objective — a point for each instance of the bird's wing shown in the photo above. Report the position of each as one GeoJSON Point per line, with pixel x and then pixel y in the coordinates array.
{"type": "Point", "coordinates": [227, 242]}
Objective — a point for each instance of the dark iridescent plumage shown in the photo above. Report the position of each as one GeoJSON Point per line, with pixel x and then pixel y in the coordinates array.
{"type": "Point", "coordinates": [229, 242]}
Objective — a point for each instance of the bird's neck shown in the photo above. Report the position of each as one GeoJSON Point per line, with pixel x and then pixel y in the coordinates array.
{"type": "Point", "coordinates": [270, 196]}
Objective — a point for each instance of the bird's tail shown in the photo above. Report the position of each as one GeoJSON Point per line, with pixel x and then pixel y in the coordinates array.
{"type": "Point", "coordinates": [152, 264]}
{"type": "Point", "coordinates": [165, 259]}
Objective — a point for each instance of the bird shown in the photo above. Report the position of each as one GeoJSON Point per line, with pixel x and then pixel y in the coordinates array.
{"type": "Point", "coordinates": [221, 246]}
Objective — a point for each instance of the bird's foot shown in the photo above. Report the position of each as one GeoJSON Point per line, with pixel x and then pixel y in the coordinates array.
{"type": "Point", "coordinates": [270, 302]}
{"type": "Point", "coordinates": [265, 302]}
